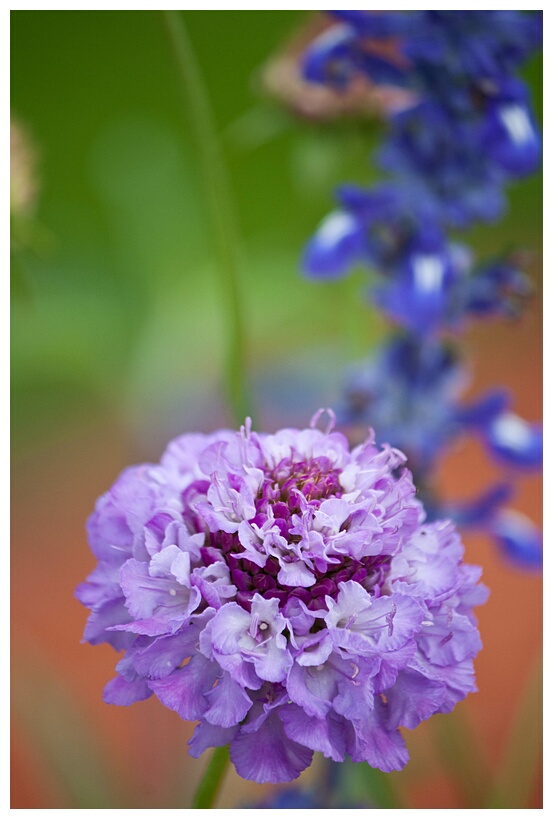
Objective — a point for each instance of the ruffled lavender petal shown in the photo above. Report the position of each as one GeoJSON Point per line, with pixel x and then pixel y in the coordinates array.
{"type": "Point", "coordinates": [185, 690]}
{"type": "Point", "coordinates": [412, 699]}
{"type": "Point", "coordinates": [103, 619]}
{"type": "Point", "coordinates": [285, 592]}
{"type": "Point", "coordinates": [122, 692]}
{"type": "Point", "coordinates": [269, 755]}
{"type": "Point", "coordinates": [369, 741]}
{"type": "Point", "coordinates": [209, 736]}
{"type": "Point", "coordinates": [228, 703]}
{"type": "Point", "coordinates": [323, 735]}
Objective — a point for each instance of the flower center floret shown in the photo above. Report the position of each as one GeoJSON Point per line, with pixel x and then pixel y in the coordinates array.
{"type": "Point", "coordinates": [284, 560]}
{"type": "Point", "coordinates": [285, 486]}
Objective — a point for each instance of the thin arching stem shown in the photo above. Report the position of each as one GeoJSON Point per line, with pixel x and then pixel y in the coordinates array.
{"type": "Point", "coordinates": [217, 189]}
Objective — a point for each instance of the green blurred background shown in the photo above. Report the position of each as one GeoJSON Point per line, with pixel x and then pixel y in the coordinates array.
{"type": "Point", "coordinates": [118, 331]}
{"type": "Point", "coordinates": [120, 308]}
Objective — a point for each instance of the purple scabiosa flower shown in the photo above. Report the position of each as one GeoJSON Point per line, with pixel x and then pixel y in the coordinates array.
{"type": "Point", "coordinates": [284, 592]}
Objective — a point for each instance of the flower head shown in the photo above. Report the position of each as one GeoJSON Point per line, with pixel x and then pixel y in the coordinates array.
{"type": "Point", "coordinates": [285, 592]}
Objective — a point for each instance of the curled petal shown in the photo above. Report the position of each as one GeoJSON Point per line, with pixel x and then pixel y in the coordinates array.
{"type": "Point", "coordinates": [185, 690]}
{"type": "Point", "coordinates": [209, 736]}
{"type": "Point", "coordinates": [412, 699]}
{"type": "Point", "coordinates": [122, 692]}
{"type": "Point", "coordinates": [228, 703]}
{"type": "Point", "coordinates": [324, 735]}
{"type": "Point", "coordinates": [268, 755]}
{"type": "Point", "coordinates": [368, 740]}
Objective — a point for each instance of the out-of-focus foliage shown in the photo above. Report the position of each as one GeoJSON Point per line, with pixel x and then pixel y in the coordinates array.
{"type": "Point", "coordinates": [119, 308]}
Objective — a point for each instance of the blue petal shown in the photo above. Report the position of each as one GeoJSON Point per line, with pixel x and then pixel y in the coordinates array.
{"type": "Point", "coordinates": [382, 71]}
{"type": "Point", "coordinates": [510, 134]}
{"type": "Point", "coordinates": [418, 295]}
{"type": "Point", "coordinates": [514, 441]}
{"type": "Point", "coordinates": [478, 511]}
{"type": "Point", "coordinates": [497, 288]}
{"type": "Point", "coordinates": [384, 203]}
{"type": "Point", "coordinates": [484, 410]}
{"type": "Point", "coordinates": [331, 57]}
{"type": "Point", "coordinates": [519, 539]}
{"type": "Point", "coordinates": [290, 798]}
{"type": "Point", "coordinates": [377, 24]}
{"type": "Point", "coordinates": [337, 244]}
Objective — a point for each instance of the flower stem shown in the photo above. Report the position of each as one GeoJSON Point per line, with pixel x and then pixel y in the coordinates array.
{"type": "Point", "coordinates": [217, 189]}
{"type": "Point", "coordinates": [380, 788]}
{"type": "Point", "coordinates": [358, 782]}
{"type": "Point", "coordinates": [209, 786]}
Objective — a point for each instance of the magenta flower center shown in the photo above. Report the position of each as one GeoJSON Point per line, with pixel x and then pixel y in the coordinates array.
{"type": "Point", "coordinates": [286, 490]}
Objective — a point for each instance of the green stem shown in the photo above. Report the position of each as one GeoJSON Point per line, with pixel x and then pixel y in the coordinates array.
{"type": "Point", "coordinates": [209, 786]}
{"type": "Point", "coordinates": [380, 789]}
{"type": "Point", "coordinates": [358, 782]}
{"type": "Point", "coordinates": [217, 188]}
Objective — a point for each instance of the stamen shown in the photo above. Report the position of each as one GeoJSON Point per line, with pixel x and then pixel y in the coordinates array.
{"type": "Point", "coordinates": [246, 429]}
{"type": "Point", "coordinates": [286, 502]}
{"type": "Point", "coordinates": [331, 420]}
{"type": "Point", "coordinates": [390, 619]}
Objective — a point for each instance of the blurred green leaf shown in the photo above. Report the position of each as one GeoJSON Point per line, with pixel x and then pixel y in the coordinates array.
{"type": "Point", "coordinates": [62, 734]}
{"type": "Point", "coordinates": [124, 310]}
{"type": "Point", "coordinates": [520, 765]}
{"type": "Point", "coordinates": [462, 756]}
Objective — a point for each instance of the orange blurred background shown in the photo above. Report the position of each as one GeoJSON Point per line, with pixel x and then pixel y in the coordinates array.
{"type": "Point", "coordinates": [141, 750]}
